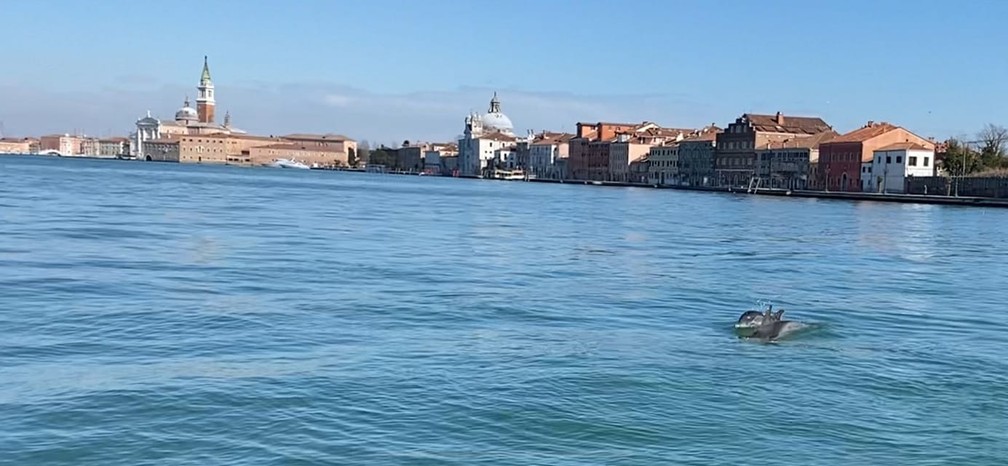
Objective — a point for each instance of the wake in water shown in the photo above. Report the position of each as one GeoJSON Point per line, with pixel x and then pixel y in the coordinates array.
{"type": "Point", "coordinates": [769, 326]}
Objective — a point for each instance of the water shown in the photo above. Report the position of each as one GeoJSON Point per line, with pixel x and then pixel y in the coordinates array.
{"type": "Point", "coordinates": [189, 315]}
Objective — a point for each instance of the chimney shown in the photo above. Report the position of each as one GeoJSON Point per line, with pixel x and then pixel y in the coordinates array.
{"type": "Point", "coordinates": [780, 118]}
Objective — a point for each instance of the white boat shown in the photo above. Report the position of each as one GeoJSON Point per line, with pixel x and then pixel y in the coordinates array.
{"type": "Point", "coordinates": [286, 163]}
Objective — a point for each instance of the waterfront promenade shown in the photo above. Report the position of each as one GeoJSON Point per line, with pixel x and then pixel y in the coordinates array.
{"type": "Point", "coordinates": [844, 196]}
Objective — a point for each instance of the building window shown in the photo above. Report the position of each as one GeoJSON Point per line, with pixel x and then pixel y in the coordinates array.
{"type": "Point", "coordinates": [888, 159]}
{"type": "Point", "coordinates": [912, 161]}
{"type": "Point", "coordinates": [925, 161]}
{"type": "Point", "coordinates": [899, 159]}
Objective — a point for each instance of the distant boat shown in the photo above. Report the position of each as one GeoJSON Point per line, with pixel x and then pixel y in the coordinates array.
{"type": "Point", "coordinates": [286, 163]}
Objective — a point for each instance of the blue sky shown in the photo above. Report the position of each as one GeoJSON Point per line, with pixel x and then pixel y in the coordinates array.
{"type": "Point", "coordinates": [388, 70]}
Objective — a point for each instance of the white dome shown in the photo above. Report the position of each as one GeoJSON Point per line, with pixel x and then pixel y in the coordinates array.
{"type": "Point", "coordinates": [186, 113]}
{"type": "Point", "coordinates": [497, 121]}
{"type": "Point", "coordinates": [494, 119]}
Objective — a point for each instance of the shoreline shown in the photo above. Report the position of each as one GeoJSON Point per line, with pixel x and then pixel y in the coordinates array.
{"type": "Point", "coordinates": [805, 194]}
{"type": "Point", "coordinates": [964, 201]}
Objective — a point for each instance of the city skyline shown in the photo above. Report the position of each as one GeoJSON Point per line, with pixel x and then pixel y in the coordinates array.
{"type": "Point", "coordinates": [416, 75]}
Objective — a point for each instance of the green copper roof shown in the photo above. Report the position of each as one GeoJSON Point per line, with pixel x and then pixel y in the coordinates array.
{"type": "Point", "coordinates": [206, 71]}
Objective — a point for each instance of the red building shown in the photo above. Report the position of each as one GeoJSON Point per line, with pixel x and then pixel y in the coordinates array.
{"type": "Point", "coordinates": [840, 159]}
{"type": "Point", "coordinates": [588, 157]}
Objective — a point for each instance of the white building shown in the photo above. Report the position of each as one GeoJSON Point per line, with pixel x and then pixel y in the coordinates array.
{"type": "Point", "coordinates": [867, 179]}
{"type": "Point", "coordinates": [484, 136]}
{"type": "Point", "coordinates": [148, 129]}
{"type": "Point", "coordinates": [506, 158]}
{"type": "Point", "coordinates": [892, 165]}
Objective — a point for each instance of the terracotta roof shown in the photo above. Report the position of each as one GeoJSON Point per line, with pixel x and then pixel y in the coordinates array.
{"type": "Point", "coordinates": [114, 140]}
{"type": "Point", "coordinates": [706, 134]}
{"type": "Point", "coordinates": [162, 141]}
{"type": "Point", "coordinates": [498, 136]}
{"type": "Point", "coordinates": [552, 138]}
{"type": "Point", "coordinates": [788, 124]}
{"type": "Point", "coordinates": [317, 137]}
{"type": "Point", "coordinates": [803, 142]}
{"type": "Point", "coordinates": [656, 132]}
{"type": "Point", "coordinates": [704, 137]}
{"type": "Point", "coordinates": [226, 136]}
{"type": "Point", "coordinates": [902, 146]}
{"type": "Point", "coordinates": [866, 132]}
{"type": "Point", "coordinates": [294, 146]}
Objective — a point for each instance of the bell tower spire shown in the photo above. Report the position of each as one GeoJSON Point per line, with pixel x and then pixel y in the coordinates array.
{"type": "Point", "coordinates": [205, 103]}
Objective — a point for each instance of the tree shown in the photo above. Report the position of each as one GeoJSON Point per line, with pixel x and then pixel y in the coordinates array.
{"type": "Point", "coordinates": [383, 156]}
{"type": "Point", "coordinates": [960, 159]}
{"type": "Point", "coordinates": [363, 151]}
{"type": "Point", "coordinates": [994, 145]}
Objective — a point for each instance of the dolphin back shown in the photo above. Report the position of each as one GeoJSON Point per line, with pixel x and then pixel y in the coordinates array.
{"type": "Point", "coordinates": [776, 330]}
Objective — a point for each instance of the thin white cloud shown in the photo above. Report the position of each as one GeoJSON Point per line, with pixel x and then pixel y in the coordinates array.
{"type": "Point", "coordinates": [314, 107]}
{"type": "Point", "coordinates": [279, 108]}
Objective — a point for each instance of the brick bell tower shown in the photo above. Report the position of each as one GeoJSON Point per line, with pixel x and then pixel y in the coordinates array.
{"type": "Point", "coordinates": [205, 96]}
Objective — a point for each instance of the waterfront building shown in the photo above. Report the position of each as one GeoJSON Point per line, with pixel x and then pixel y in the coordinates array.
{"type": "Point", "coordinates": [736, 163]}
{"type": "Point", "coordinates": [188, 120]}
{"type": "Point", "coordinates": [604, 151]}
{"type": "Point", "coordinates": [221, 148]}
{"type": "Point", "coordinates": [64, 144]}
{"type": "Point", "coordinates": [17, 146]}
{"type": "Point", "coordinates": [160, 150]}
{"type": "Point", "coordinates": [436, 157]}
{"type": "Point", "coordinates": [867, 180]}
{"type": "Point", "coordinates": [90, 147]}
{"type": "Point", "coordinates": [667, 164]}
{"type": "Point", "coordinates": [695, 157]}
{"type": "Point", "coordinates": [432, 163]}
{"type": "Point", "coordinates": [547, 152]}
{"type": "Point", "coordinates": [410, 158]}
{"type": "Point", "coordinates": [308, 154]}
{"type": "Point", "coordinates": [450, 165]}
{"type": "Point", "coordinates": [840, 159]}
{"type": "Point", "coordinates": [663, 164]}
{"type": "Point", "coordinates": [507, 158]}
{"type": "Point", "coordinates": [344, 147]}
{"type": "Point", "coordinates": [892, 165]}
{"type": "Point", "coordinates": [113, 147]}
{"type": "Point", "coordinates": [148, 128]}
{"type": "Point", "coordinates": [483, 136]}
{"type": "Point", "coordinates": [628, 149]}
{"type": "Point", "coordinates": [637, 171]}
{"type": "Point", "coordinates": [588, 157]}
{"type": "Point", "coordinates": [787, 164]}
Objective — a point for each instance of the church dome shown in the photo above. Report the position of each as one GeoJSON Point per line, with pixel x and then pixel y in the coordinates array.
{"type": "Point", "coordinates": [495, 120]}
{"type": "Point", "coordinates": [186, 113]}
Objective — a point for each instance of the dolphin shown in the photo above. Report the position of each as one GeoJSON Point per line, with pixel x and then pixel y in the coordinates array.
{"type": "Point", "coordinates": [750, 319]}
{"type": "Point", "coordinates": [775, 330]}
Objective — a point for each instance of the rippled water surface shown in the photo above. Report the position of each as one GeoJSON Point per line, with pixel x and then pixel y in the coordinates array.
{"type": "Point", "coordinates": [192, 315]}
